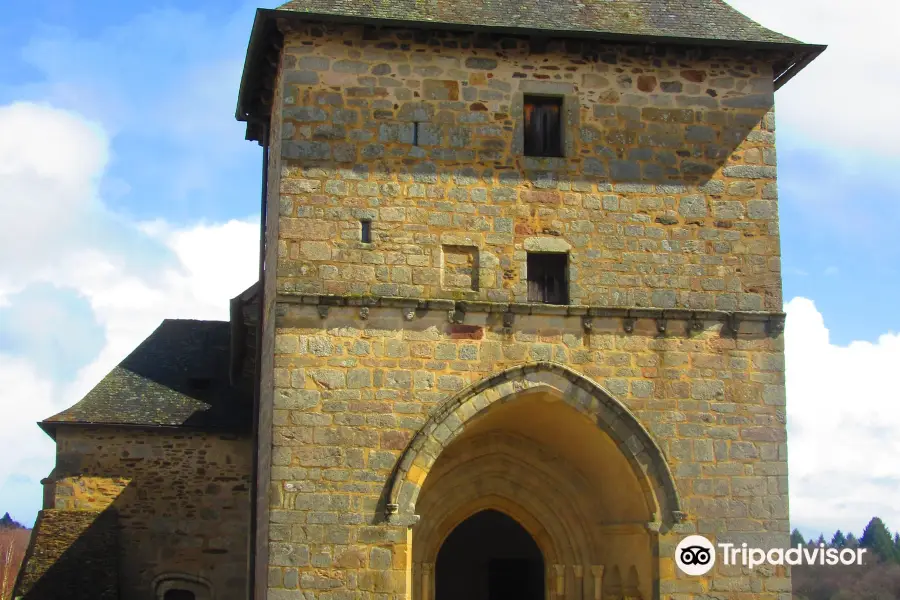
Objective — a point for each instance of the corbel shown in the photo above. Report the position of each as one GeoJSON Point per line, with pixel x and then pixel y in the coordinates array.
{"type": "Point", "coordinates": [508, 319]}
{"type": "Point", "coordinates": [661, 324]}
{"type": "Point", "coordinates": [323, 311]}
{"type": "Point", "coordinates": [679, 516]}
{"type": "Point", "coordinates": [587, 323]}
{"type": "Point", "coordinates": [409, 313]}
{"type": "Point", "coordinates": [696, 322]}
{"type": "Point", "coordinates": [364, 313]}
{"type": "Point", "coordinates": [628, 322]}
{"type": "Point", "coordinates": [456, 316]}
{"type": "Point", "coordinates": [775, 324]}
{"type": "Point", "coordinates": [734, 322]}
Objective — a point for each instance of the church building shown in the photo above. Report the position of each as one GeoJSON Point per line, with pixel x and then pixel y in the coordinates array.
{"type": "Point", "coordinates": [517, 332]}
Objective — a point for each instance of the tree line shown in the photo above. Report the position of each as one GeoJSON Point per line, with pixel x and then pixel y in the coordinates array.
{"type": "Point", "coordinates": [877, 579]}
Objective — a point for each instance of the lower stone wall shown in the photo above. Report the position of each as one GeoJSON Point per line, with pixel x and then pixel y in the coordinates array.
{"type": "Point", "coordinates": [182, 500]}
{"type": "Point", "coordinates": [352, 386]}
{"type": "Point", "coordinates": [72, 555]}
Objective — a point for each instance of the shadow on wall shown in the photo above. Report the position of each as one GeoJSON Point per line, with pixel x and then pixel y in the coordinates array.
{"type": "Point", "coordinates": [649, 116]}
{"type": "Point", "coordinates": [132, 506]}
{"type": "Point", "coordinates": [72, 556]}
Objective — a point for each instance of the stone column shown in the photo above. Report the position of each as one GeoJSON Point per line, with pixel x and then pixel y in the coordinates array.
{"type": "Point", "coordinates": [579, 582]}
{"type": "Point", "coordinates": [427, 578]}
{"type": "Point", "coordinates": [597, 572]}
{"type": "Point", "coordinates": [559, 572]}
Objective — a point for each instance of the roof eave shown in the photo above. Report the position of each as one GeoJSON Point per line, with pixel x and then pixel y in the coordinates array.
{"type": "Point", "coordinates": [50, 427]}
{"type": "Point", "coordinates": [803, 58]}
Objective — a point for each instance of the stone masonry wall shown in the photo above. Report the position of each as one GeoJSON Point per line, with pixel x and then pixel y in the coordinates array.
{"type": "Point", "coordinates": [350, 393]}
{"type": "Point", "coordinates": [182, 501]}
{"type": "Point", "coordinates": [666, 195]}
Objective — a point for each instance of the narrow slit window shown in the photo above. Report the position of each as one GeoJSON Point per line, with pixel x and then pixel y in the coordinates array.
{"type": "Point", "coordinates": [548, 278]}
{"type": "Point", "coordinates": [365, 231]}
{"type": "Point", "coordinates": [415, 134]}
{"type": "Point", "coordinates": [543, 126]}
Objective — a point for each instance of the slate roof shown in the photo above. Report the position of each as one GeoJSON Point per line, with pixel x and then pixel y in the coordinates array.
{"type": "Point", "coordinates": [697, 19]}
{"type": "Point", "coordinates": [177, 377]}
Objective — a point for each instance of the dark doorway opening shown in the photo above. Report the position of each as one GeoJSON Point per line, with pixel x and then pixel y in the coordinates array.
{"type": "Point", "coordinates": [489, 556]}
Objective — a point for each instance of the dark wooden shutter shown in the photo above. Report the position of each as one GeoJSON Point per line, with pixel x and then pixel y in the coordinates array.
{"type": "Point", "coordinates": [543, 132]}
{"type": "Point", "coordinates": [547, 278]}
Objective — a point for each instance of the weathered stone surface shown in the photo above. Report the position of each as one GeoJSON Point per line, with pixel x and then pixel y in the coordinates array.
{"type": "Point", "coordinates": [178, 497]}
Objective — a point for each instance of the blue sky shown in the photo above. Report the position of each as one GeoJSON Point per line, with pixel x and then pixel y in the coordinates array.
{"type": "Point", "coordinates": [143, 185]}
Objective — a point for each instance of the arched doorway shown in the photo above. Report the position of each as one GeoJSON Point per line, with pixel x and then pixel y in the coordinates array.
{"type": "Point", "coordinates": [537, 455]}
{"type": "Point", "coordinates": [489, 556]}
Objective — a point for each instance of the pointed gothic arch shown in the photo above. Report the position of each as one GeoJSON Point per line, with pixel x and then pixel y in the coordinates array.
{"type": "Point", "coordinates": [643, 454]}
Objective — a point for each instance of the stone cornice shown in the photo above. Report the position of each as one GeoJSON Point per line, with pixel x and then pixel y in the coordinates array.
{"type": "Point", "coordinates": [457, 309]}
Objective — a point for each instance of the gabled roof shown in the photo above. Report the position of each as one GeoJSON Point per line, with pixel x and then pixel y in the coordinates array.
{"type": "Point", "coordinates": [695, 19]}
{"type": "Point", "coordinates": [177, 377]}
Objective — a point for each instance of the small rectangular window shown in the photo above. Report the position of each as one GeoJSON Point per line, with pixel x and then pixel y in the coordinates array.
{"type": "Point", "coordinates": [548, 278]}
{"type": "Point", "coordinates": [415, 134]}
{"type": "Point", "coordinates": [365, 233]}
{"type": "Point", "coordinates": [543, 126]}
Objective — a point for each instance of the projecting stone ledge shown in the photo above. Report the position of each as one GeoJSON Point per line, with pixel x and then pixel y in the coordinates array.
{"type": "Point", "coordinates": [772, 322]}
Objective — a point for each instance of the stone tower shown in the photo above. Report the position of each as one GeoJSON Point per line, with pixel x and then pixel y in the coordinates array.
{"type": "Point", "coordinates": [522, 315]}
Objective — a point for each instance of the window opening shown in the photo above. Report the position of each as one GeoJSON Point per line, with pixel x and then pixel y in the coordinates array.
{"type": "Point", "coordinates": [548, 278]}
{"type": "Point", "coordinates": [543, 126]}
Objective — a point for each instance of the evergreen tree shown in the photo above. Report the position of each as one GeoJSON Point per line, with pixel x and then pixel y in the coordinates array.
{"type": "Point", "coordinates": [821, 540]}
{"type": "Point", "coordinates": [897, 547]}
{"type": "Point", "coordinates": [838, 540]}
{"type": "Point", "coordinates": [877, 539]}
{"type": "Point", "coordinates": [796, 538]}
{"type": "Point", "coordinates": [7, 522]}
{"type": "Point", "coordinates": [851, 541]}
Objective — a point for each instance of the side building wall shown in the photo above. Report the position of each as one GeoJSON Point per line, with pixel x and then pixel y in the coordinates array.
{"type": "Point", "coordinates": [181, 502]}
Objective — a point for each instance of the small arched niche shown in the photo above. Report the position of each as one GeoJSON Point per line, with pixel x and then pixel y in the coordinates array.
{"type": "Point", "coordinates": [181, 586]}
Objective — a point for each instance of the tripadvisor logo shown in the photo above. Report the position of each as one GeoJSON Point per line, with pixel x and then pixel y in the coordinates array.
{"type": "Point", "coordinates": [696, 555]}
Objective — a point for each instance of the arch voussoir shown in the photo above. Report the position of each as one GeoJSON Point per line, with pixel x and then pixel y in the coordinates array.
{"type": "Point", "coordinates": [611, 416]}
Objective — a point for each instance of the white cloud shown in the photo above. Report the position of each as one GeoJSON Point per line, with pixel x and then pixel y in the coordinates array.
{"type": "Point", "coordinates": [50, 162]}
{"type": "Point", "coordinates": [55, 229]}
{"type": "Point", "coordinates": [848, 96]}
{"type": "Point", "coordinates": [843, 424]}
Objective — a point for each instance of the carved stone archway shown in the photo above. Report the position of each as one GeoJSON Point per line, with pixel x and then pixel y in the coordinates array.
{"type": "Point", "coordinates": [643, 454]}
